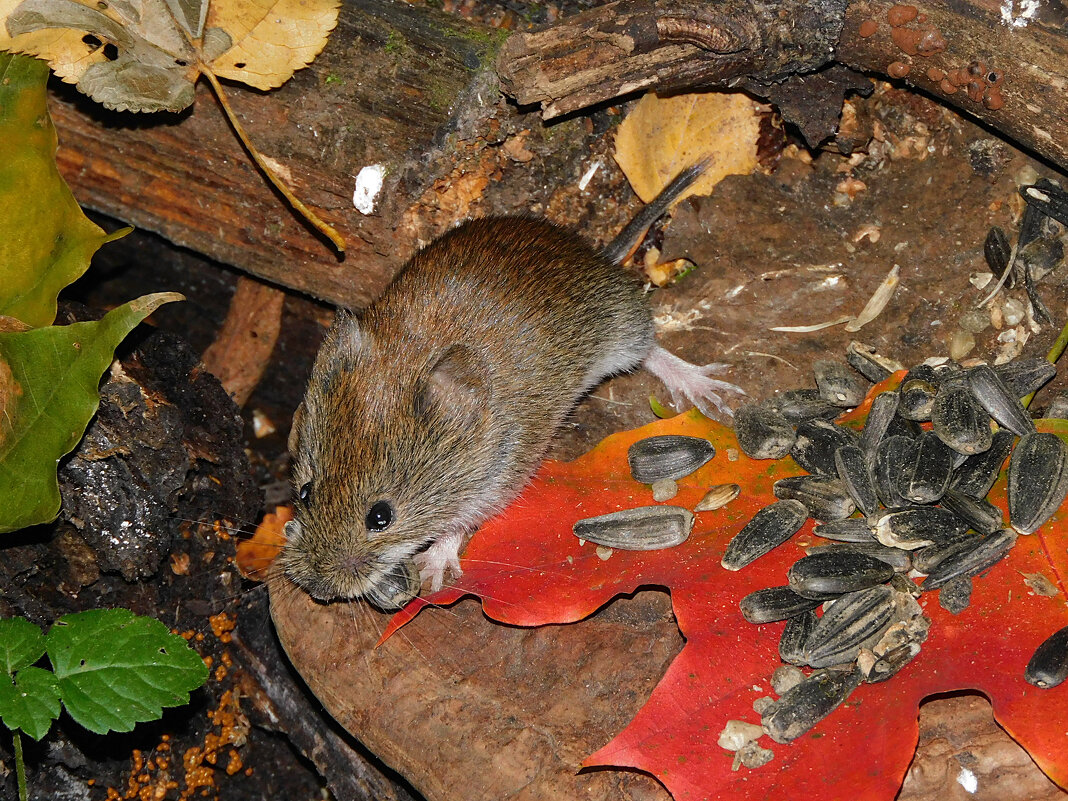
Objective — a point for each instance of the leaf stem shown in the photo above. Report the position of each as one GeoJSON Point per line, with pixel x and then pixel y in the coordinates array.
{"type": "Point", "coordinates": [272, 176]}
{"type": "Point", "coordinates": [20, 765]}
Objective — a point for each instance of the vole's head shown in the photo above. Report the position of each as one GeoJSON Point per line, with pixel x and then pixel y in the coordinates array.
{"type": "Point", "coordinates": [382, 460]}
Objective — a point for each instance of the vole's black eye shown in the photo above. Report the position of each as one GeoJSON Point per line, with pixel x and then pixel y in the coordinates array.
{"type": "Point", "coordinates": [379, 517]}
{"type": "Point", "coordinates": [305, 492]}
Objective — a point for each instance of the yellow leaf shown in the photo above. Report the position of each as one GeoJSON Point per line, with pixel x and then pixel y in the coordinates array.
{"type": "Point", "coordinates": [272, 38]}
{"type": "Point", "coordinates": [663, 135]}
{"type": "Point", "coordinates": [146, 56]}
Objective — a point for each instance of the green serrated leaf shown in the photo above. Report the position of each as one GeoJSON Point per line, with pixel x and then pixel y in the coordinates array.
{"type": "Point", "coordinates": [48, 393]}
{"type": "Point", "coordinates": [117, 669]}
{"type": "Point", "coordinates": [21, 644]}
{"type": "Point", "coordinates": [31, 702]}
{"type": "Point", "coordinates": [45, 240]}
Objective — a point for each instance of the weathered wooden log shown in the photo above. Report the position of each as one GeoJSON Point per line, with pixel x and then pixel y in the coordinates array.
{"type": "Point", "coordinates": [626, 47]}
{"type": "Point", "coordinates": [1009, 71]}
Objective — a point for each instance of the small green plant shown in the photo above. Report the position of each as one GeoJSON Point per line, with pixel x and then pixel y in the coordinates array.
{"type": "Point", "coordinates": [111, 669]}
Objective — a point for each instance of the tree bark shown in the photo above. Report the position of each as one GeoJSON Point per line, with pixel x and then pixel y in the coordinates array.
{"type": "Point", "coordinates": [1010, 72]}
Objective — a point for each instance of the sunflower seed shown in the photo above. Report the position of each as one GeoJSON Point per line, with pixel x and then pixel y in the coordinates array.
{"type": "Point", "coordinates": [854, 473]}
{"type": "Point", "coordinates": [931, 471]}
{"type": "Point", "coordinates": [880, 416]}
{"type": "Point", "coordinates": [1024, 376]}
{"type": "Point", "coordinates": [809, 702]}
{"type": "Point", "coordinates": [794, 636]}
{"type": "Point", "coordinates": [852, 529]}
{"type": "Point", "coordinates": [717, 497]}
{"type": "Point", "coordinates": [667, 456]}
{"type": "Point", "coordinates": [959, 420]}
{"type": "Point", "coordinates": [824, 497]}
{"type": "Point", "coordinates": [762, 432]}
{"type": "Point", "coordinates": [838, 384]}
{"type": "Point", "coordinates": [876, 668]}
{"type": "Point", "coordinates": [1038, 480]}
{"type": "Point", "coordinates": [798, 405]}
{"type": "Point", "coordinates": [985, 552]}
{"type": "Point", "coordinates": [398, 587]}
{"type": "Point", "coordinates": [1049, 665]}
{"type": "Point", "coordinates": [927, 559]}
{"type": "Point", "coordinates": [1048, 198]}
{"type": "Point", "coordinates": [816, 442]}
{"type": "Point", "coordinates": [774, 603]}
{"type": "Point", "coordinates": [997, 250]}
{"type": "Point", "coordinates": [999, 402]}
{"type": "Point", "coordinates": [894, 459]}
{"type": "Point", "coordinates": [854, 621]}
{"type": "Point", "coordinates": [918, 390]}
{"type": "Point", "coordinates": [870, 364]}
{"type": "Point", "coordinates": [834, 572]}
{"type": "Point", "coordinates": [645, 528]}
{"type": "Point", "coordinates": [897, 558]}
{"type": "Point", "coordinates": [917, 527]}
{"type": "Point", "coordinates": [980, 514]}
{"type": "Point", "coordinates": [771, 526]}
{"type": "Point", "coordinates": [977, 474]}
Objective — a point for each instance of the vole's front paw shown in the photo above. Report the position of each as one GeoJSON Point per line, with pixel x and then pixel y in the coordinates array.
{"type": "Point", "coordinates": [443, 555]}
{"type": "Point", "coordinates": [691, 382]}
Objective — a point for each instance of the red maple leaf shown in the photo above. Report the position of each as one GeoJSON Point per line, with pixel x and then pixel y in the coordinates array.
{"type": "Point", "coordinates": [529, 569]}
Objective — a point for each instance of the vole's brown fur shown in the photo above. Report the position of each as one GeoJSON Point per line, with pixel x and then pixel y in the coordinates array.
{"type": "Point", "coordinates": [442, 399]}
{"type": "Point", "coordinates": [432, 411]}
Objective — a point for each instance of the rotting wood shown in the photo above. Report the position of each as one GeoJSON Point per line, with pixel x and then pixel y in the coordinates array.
{"type": "Point", "coordinates": [1010, 73]}
{"type": "Point", "coordinates": [626, 47]}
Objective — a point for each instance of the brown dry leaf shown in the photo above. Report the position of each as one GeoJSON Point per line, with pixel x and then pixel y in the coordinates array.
{"type": "Point", "coordinates": [1040, 585]}
{"type": "Point", "coordinates": [146, 56]}
{"type": "Point", "coordinates": [244, 344]}
{"type": "Point", "coordinates": [663, 135]}
{"type": "Point", "coordinates": [255, 555]}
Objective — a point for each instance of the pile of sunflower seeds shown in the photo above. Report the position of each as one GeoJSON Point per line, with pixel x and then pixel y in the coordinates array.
{"type": "Point", "coordinates": [921, 498]}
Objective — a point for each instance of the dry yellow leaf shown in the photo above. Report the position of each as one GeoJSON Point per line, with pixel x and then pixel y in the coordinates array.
{"type": "Point", "coordinates": [271, 38]}
{"type": "Point", "coordinates": [145, 55]}
{"type": "Point", "coordinates": [663, 135]}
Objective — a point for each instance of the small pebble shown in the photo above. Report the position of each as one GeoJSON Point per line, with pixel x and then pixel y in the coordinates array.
{"type": "Point", "coordinates": [665, 489]}
{"type": "Point", "coordinates": [786, 678]}
{"type": "Point", "coordinates": [961, 344]}
{"type": "Point", "coordinates": [764, 704]}
{"type": "Point", "coordinates": [752, 756]}
{"type": "Point", "coordinates": [737, 733]}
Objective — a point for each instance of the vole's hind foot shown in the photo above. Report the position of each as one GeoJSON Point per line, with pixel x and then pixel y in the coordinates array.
{"type": "Point", "coordinates": [691, 382]}
{"type": "Point", "coordinates": [443, 555]}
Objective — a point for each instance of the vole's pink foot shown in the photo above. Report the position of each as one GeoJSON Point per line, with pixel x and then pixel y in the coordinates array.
{"type": "Point", "coordinates": [443, 555]}
{"type": "Point", "coordinates": [691, 382]}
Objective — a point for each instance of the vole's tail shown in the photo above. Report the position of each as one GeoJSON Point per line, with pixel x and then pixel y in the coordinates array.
{"type": "Point", "coordinates": [625, 241]}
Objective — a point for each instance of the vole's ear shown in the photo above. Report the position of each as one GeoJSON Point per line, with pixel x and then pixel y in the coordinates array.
{"type": "Point", "coordinates": [346, 337]}
{"type": "Point", "coordinates": [294, 429]}
{"type": "Point", "coordinates": [339, 354]}
{"type": "Point", "coordinates": [458, 386]}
